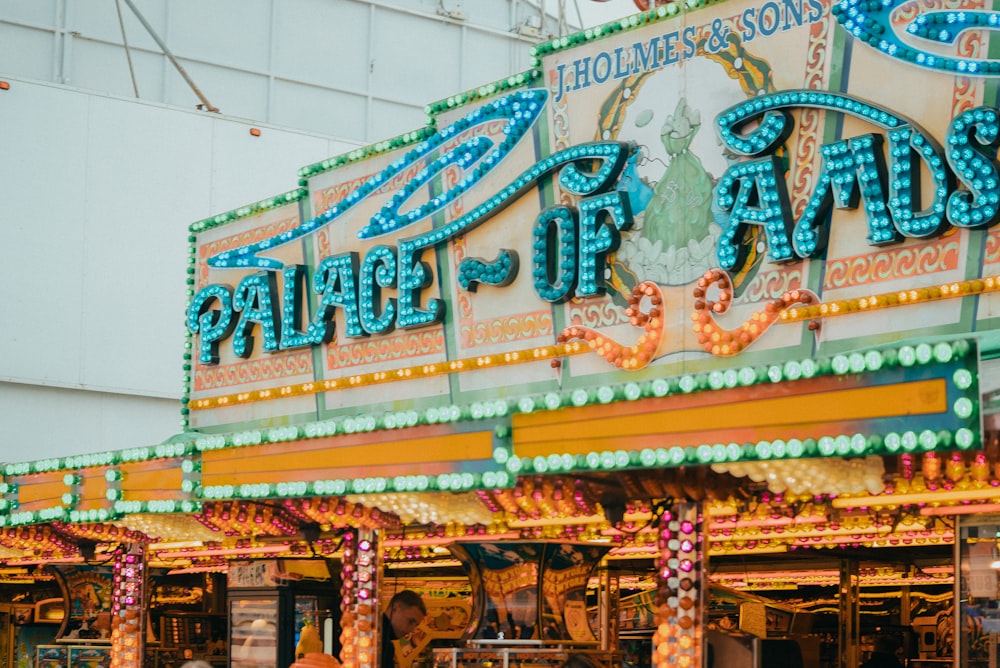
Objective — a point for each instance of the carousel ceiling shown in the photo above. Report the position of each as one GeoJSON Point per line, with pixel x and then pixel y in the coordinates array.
{"type": "Point", "coordinates": [779, 507]}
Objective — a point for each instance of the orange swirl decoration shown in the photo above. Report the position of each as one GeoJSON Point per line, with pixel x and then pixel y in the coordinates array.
{"type": "Point", "coordinates": [644, 350]}
{"type": "Point", "coordinates": [992, 254]}
{"type": "Point", "coordinates": [728, 342]}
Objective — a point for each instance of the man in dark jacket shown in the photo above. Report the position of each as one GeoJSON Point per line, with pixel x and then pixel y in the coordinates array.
{"type": "Point", "coordinates": [405, 612]}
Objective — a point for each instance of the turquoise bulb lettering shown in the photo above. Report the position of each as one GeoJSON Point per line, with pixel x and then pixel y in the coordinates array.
{"type": "Point", "coordinates": [336, 283]}
{"type": "Point", "coordinates": [754, 194]}
{"type": "Point", "coordinates": [378, 270]}
{"type": "Point", "coordinates": [554, 254]}
{"type": "Point", "coordinates": [212, 324]}
{"type": "Point", "coordinates": [972, 141]}
{"type": "Point", "coordinates": [602, 219]}
{"type": "Point", "coordinates": [254, 299]}
{"type": "Point", "coordinates": [294, 281]}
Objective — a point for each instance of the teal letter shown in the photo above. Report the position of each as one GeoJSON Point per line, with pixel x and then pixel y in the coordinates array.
{"type": "Point", "coordinates": [415, 275]}
{"type": "Point", "coordinates": [846, 164]}
{"type": "Point", "coordinates": [292, 292]}
{"type": "Point", "coordinates": [973, 137]}
{"type": "Point", "coordinates": [254, 299]}
{"type": "Point", "coordinates": [377, 271]}
{"type": "Point", "coordinates": [600, 237]}
{"type": "Point", "coordinates": [554, 256]}
{"type": "Point", "coordinates": [755, 194]}
{"type": "Point", "coordinates": [906, 146]}
{"type": "Point", "coordinates": [335, 281]}
{"type": "Point", "coordinates": [213, 325]}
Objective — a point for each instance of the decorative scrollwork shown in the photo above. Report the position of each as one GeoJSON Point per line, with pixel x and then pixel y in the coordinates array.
{"type": "Point", "coordinates": [728, 342]}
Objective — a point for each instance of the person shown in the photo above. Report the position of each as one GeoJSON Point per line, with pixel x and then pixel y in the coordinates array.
{"type": "Point", "coordinates": [884, 655]}
{"type": "Point", "coordinates": [197, 663]}
{"type": "Point", "coordinates": [579, 661]}
{"type": "Point", "coordinates": [405, 612]}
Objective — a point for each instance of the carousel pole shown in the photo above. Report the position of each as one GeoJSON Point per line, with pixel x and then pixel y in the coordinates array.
{"type": "Point", "coordinates": [849, 621]}
{"type": "Point", "coordinates": [681, 587]}
{"type": "Point", "coordinates": [361, 572]}
{"type": "Point", "coordinates": [608, 609]}
{"type": "Point", "coordinates": [128, 607]}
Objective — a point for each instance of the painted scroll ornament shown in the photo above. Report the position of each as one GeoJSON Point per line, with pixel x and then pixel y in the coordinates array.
{"type": "Point", "coordinates": [728, 342]}
{"type": "Point", "coordinates": [646, 349]}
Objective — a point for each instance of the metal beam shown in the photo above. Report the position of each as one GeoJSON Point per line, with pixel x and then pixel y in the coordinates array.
{"type": "Point", "coordinates": [166, 51]}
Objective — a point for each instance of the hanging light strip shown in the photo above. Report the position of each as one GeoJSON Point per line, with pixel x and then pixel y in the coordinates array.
{"type": "Point", "coordinates": [968, 509]}
{"type": "Point", "coordinates": [409, 373]}
{"type": "Point", "coordinates": [874, 577]}
{"type": "Point", "coordinates": [234, 552]}
{"type": "Point", "coordinates": [891, 299]}
{"type": "Point", "coordinates": [218, 568]}
{"type": "Point", "coordinates": [988, 493]}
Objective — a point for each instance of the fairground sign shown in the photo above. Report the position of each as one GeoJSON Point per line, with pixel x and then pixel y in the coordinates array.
{"type": "Point", "coordinates": [711, 192]}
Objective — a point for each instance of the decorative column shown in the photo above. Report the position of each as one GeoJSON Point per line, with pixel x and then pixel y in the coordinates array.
{"type": "Point", "coordinates": [681, 585]}
{"type": "Point", "coordinates": [128, 607]}
{"type": "Point", "coordinates": [850, 614]}
{"type": "Point", "coordinates": [360, 614]}
{"type": "Point", "coordinates": [607, 608]}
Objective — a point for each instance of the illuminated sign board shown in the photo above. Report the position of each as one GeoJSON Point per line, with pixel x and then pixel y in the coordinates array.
{"type": "Point", "coordinates": [700, 191]}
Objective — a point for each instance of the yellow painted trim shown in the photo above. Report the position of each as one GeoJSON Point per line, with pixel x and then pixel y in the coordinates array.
{"type": "Point", "coordinates": [575, 431]}
{"type": "Point", "coordinates": [147, 480]}
{"type": "Point", "coordinates": [44, 490]}
{"type": "Point", "coordinates": [253, 464]}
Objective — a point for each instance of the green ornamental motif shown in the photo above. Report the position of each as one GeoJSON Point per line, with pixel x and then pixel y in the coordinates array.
{"type": "Point", "coordinates": [680, 210]}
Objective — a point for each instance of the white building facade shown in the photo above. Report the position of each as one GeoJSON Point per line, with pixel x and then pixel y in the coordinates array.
{"type": "Point", "coordinates": [108, 154]}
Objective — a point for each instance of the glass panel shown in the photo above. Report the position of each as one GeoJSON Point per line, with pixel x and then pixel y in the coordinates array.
{"type": "Point", "coordinates": [979, 560]}
{"type": "Point", "coordinates": [253, 624]}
